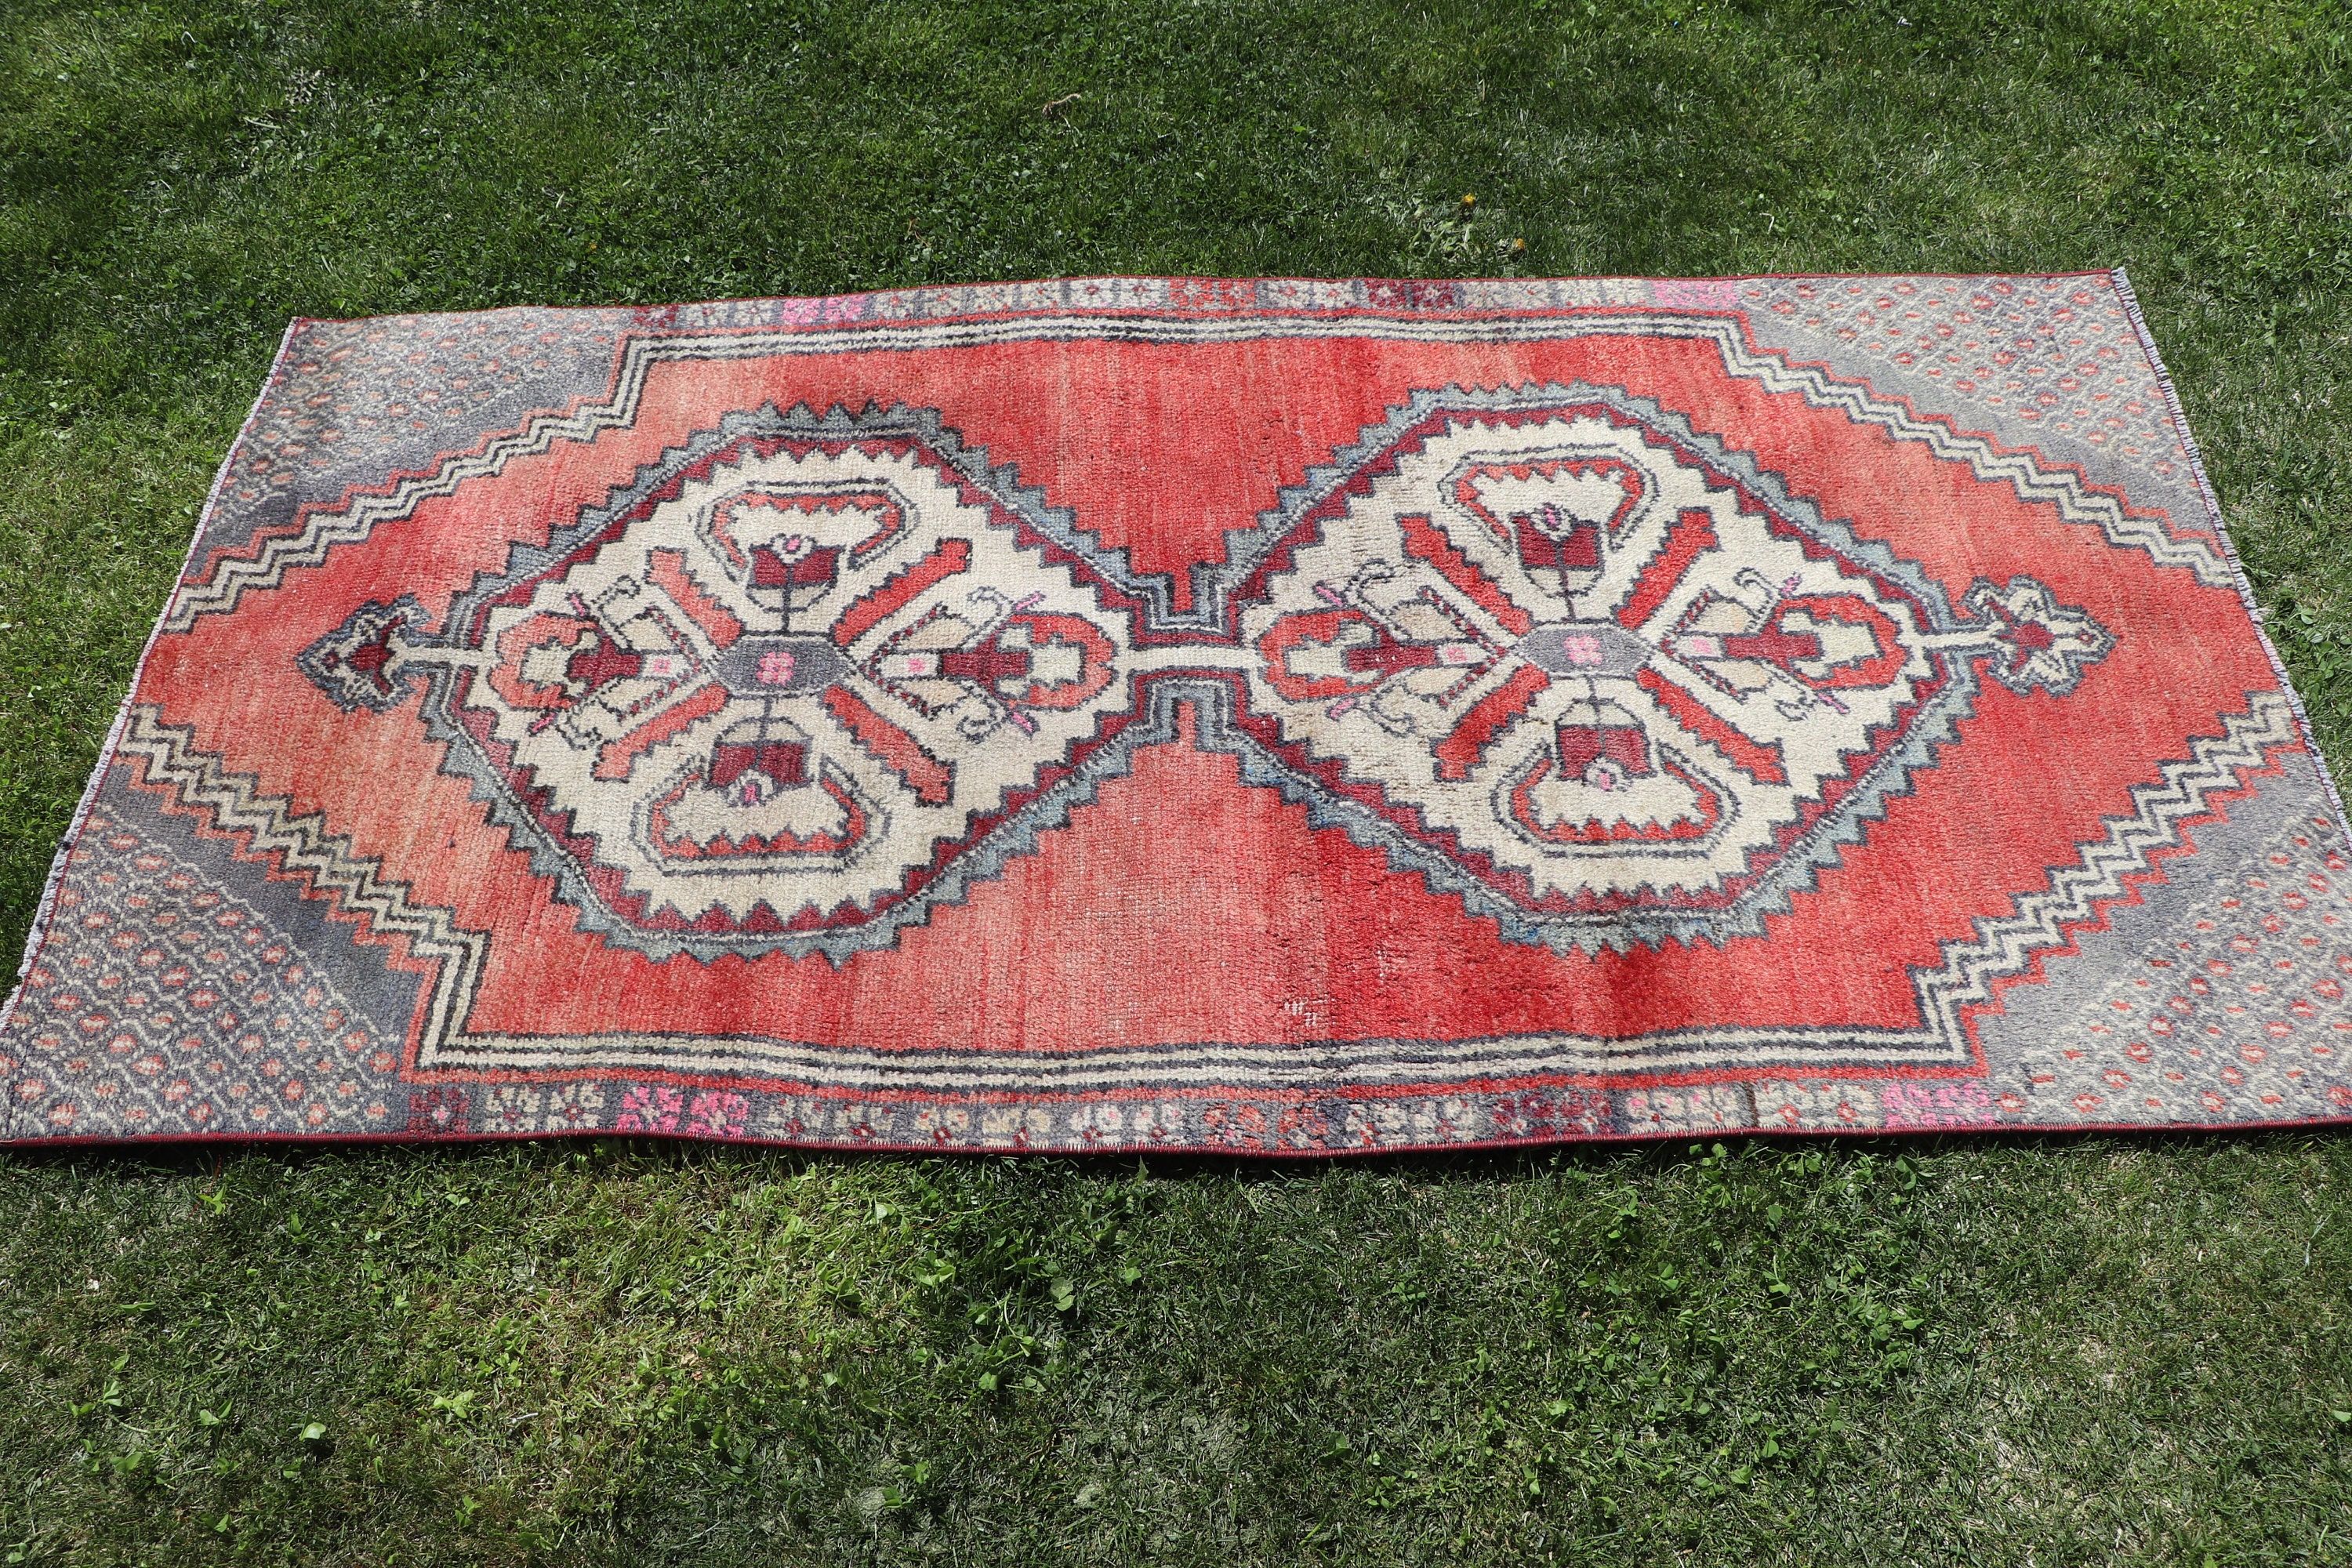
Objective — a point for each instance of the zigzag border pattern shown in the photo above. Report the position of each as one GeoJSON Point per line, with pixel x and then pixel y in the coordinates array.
{"type": "Point", "coordinates": [322, 532]}
{"type": "Point", "coordinates": [2003, 945]}
{"type": "Point", "coordinates": [301, 844]}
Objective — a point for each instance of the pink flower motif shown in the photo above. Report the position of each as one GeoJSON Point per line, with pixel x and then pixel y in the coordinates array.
{"type": "Point", "coordinates": [1940, 1105]}
{"type": "Point", "coordinates": [648, 1108]}
{"type": "Point", "coordinates": [716, 1115]}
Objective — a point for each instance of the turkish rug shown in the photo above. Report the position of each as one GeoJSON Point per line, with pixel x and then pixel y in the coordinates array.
{"type": "Point", "coordinates": [1267, 717]}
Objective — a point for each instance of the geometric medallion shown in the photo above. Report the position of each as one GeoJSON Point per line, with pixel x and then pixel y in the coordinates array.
{"type": "Point", "coordinates": [774, 687]}
{"type": "Point", "coordinates": [1609, 670]}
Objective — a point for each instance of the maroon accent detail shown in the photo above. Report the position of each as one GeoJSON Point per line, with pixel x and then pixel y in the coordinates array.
{"type": "Point", "coordinates": [1576, 548]}
{"type": "Point", "coordinates": [1094, 652]}
{"type": "Point", "coordinates": [1874, 668]}
{"type": "Point", "coordinates": [1582, 745]}
{"type": "Point", "coordinates": [770, 570]}
{"type": "Point", "coordinates": [1772, 645]}
{"type": "Point", "coordinates": [1305, 627]}
{"type": "Point", "coordinates": [986, 664]}
{"type": "Point", "coordinates": [596, 667]}
{"type": "Point", "coordinates": [437, 1111]}
{"type": "Point", "coordinates": [2028, 636]}
{"type": "Point", "coordinates": [370, 657]}
{"type": "Point", "coordinates": [1389, 657]}
{"type": "Point", "coordinates": [786, 762]}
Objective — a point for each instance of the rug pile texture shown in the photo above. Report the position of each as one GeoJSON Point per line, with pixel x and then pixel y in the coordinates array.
{"type": "Point", "coordinates": [1272, 717]}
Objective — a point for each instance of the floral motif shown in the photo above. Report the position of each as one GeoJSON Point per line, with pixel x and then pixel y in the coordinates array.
{"type": "Point", "coordinates": [518, 1108]}
{"type": "Point", "coordinates": [718, 1114]}
{"type": "Point", "coordinates": [648, 1108]}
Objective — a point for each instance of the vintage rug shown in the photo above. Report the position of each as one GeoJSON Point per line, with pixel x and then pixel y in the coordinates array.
{"type": "Point", "coordinates": [1168, 714]}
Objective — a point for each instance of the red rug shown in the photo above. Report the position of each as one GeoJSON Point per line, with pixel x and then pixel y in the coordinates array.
{"type": "Point", "coordinates": [1269, 716]}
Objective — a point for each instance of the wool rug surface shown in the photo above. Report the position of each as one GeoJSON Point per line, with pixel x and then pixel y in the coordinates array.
{"type": "Point", "coordinates": [1259, 716]}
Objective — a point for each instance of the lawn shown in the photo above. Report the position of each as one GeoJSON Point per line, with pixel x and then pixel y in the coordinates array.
{"type": "Point", "coordinates": [2046, 1352]}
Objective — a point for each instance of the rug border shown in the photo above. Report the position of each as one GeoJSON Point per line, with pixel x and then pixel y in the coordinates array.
{"type": "Point", "coordinates": [1271, 1152]}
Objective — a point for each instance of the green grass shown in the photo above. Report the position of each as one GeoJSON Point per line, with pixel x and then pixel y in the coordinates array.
{"type": "Point", "coordinates": [2047, 1352]}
